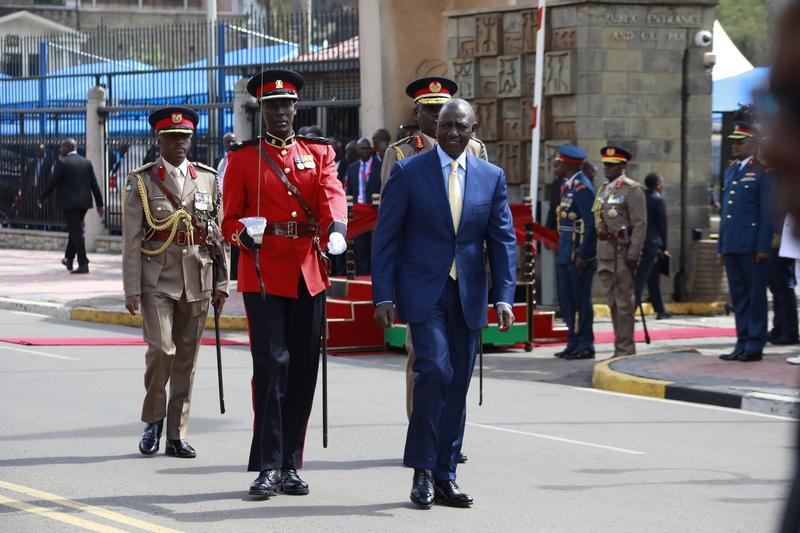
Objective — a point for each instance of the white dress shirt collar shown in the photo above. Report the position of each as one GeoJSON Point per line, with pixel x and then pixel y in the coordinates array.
{"type": "Point", "coordinates": [744, 162]}
{"type": "Point", "coordinates": [183, 167]}
{"type": "Point", "coordinates": [444, 159]}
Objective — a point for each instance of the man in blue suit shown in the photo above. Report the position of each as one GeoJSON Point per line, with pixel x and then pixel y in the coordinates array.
{"type": "Point", "coordinates": [745, 240]}
{"type": "Point", "coordinates": [438, 211]}
{"type": "Point", "coordinates": [577, 249]}
{"type": "Point", "coordinates": [363, 180]}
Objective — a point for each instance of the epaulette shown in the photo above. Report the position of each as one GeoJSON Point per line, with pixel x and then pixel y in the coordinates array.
{"type": "Point", "coordinates": [205, 167]}
{"type": "Point", "coordinates": [630, 182]}
{"type": "Point", "coordinates": [143, 167]}
{"type": "Point", "coordinates": [314, 139]}
{"type": "Point", "coordinates": [399, 142]}
{"type": "Point", "coordinates": [248, 142]}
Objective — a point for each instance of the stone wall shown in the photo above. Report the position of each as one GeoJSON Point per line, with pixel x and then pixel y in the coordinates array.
{"type": "Point", "coordinates": [613, 75]}
{"type": "Point", "coordinates": [23, 239]}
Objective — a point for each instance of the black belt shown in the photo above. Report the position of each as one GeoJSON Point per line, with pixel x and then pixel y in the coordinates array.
{"type": "Point", "coordinates": [292, 230]}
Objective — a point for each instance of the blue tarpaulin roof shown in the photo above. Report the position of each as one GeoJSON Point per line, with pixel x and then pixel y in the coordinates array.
{"type": "Point", "coordinates": [729, 93]}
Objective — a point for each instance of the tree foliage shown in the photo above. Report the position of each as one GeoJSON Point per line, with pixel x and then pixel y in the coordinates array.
{"type": "Point", "coordinates": [748, 25]}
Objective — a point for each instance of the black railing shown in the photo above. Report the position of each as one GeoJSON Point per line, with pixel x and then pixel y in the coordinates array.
{"type": "Point", "coordinates": [43, 94]}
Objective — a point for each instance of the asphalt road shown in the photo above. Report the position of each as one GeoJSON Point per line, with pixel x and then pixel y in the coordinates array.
{"type": "Point", "coordinates": [545, 452]}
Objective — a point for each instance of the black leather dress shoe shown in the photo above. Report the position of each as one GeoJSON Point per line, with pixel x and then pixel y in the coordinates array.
{"type": "Point", "coordinates": [588, 354]}
{"type": "Point", "coordinates": [151, 438]}
{"type": "Point", "coordinates": [82, 269]}
{"type": "Point", "coordinates": [563, 353]}
{"type": "Point", "coordinates": [462, 457]}
{"type": "Point", "coordinates": [665, 314]}
{"type": "Point", "coordinates": [733, 356]}
{"type": "Point", "coordinates": [422, 489]}
{"type": "Point", "coordinates": [448, 493]}
{"type": "Point", "coordinates": [747, 357]}
{"type": "Point", "coordinates": [266, 484]}
{"type": "Point", "coordinates": [292, 484]}
{"type": "Point", "coordinates": [67, 263]}
{"type": "Point", "coordinates": [179, 448]}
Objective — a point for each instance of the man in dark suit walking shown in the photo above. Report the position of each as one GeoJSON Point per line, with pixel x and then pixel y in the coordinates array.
{"type": "Point", "coordinates": [438, 210]}
{"type": "Point", "coordinates": [363, 180]}
{"type": "Point", "coordinates": [655, 246]}
{"type": "Point", "coordinates": [75, 184]}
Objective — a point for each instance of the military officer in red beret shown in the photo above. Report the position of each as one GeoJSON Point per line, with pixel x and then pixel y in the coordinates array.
{"type": "Point", "coordinates": [290, 181]}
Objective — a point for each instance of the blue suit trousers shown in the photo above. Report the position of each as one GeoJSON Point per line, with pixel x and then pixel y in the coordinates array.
{"type": "Point", "coordinates": [575, 297]}
{"type": "Point", "coordinates": [747, 283]}
{"type": "Point", "coordinates": [445, 356]}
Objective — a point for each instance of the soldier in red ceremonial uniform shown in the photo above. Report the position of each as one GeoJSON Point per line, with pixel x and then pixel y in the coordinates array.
{"type": "Point", "coordinates": [291, 182]}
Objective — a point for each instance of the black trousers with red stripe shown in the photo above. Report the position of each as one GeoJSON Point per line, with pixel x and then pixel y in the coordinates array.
{"type": "Point", "coordinates": [285, 346]}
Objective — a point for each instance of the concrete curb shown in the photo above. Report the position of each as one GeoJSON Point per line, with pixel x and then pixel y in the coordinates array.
{"type": "Point", "coordinates": [606, 378]}
{"type": "Point", "coordinates": [29, 306]}
{"type": "Point", "coordinates": [123, 318]}
{"type": "Point", "coordinates": [105, 316]}
{"type": "Point", "coordinates": [683, 308]}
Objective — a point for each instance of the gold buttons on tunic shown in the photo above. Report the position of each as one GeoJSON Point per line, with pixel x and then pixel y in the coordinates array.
{"type": "Point", "coordinates": [287, 170]}
{"type": "Point", "coordinates": [184, 251]}
{"type": "Point", "coordinates": [753, 224]}
{"type": "Point", "coordinates": [183, 203]}
{"type": "Point", "coordinates": [730, 202]}
{"type": "Point", "coordinates": [290, 192]}
{"type": "Point", "coordinates": [294, 214]}
{"type": "Point", "coordinates": [284, 152]}
{"type": "Point", "coordinates": [733, 192]}
{"type": "Point", "coordinates": [728, 216]}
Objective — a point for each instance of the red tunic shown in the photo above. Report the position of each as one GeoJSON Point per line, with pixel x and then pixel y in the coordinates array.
{"type": "Point", "coordinates": [282, 259]}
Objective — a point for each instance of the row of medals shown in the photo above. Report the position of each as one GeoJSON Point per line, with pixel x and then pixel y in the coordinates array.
{"type": "Point", "coordinates": [304, 161]}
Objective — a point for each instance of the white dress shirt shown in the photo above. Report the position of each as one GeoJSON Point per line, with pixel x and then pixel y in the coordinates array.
{"type": "Point", "coordinates": [180, 176]}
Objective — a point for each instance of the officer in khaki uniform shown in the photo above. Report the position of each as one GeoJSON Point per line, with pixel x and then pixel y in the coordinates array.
{"type": "Point", "coordinates": [172, 266]}
{"type": "Point", "coordinates": [621, 221]}
{"type": "Point", "coordinates": [429, 95]}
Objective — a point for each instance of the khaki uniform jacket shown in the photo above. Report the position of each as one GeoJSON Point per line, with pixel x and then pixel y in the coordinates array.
{"type": "Point", "coordinates": [620, 205]}
{"type": "Point", "coordinates": [419, 144]}
{"type": "Point", "coordinates": [181, 269]}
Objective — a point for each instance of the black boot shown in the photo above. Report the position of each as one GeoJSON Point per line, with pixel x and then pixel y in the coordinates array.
{"type": "Point", "coordinates": [422, 489]}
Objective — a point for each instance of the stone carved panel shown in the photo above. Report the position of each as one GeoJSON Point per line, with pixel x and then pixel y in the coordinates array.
{"type": "Point", "coordinates": [487, 77]}
{"type": "Point", "coordinates": [487, 32]}
{"type": "Point", "coordinates": [512, 120]}
{"type": "Point", "coordinates": [466, 47]}
{"type": "Point", "coordinates": [512, 33]}
{"type": "Point", "coordinates": [529, 31]}
{"type": "Point", "coordinates": [465, 75]}
{"type": "Point", "coordinates": [566, 39]}
{"type": "Point", "coordinates": [509, 76]}
{"type": "Point", "coordinates": [488, 119]}
{"type": "Point", "coordinates": [511, 159]}
{"type": "Point", "coordinates": [559, 73]}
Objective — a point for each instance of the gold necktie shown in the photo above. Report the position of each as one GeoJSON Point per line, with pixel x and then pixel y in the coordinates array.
{"type": "Point", "coordinates": [456, 203]}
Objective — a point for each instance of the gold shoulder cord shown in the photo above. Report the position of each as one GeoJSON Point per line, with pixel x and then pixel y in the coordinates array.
{"type": "Point", "coordinates": [155, 224]}
{"type": "Point", "coordinates": [398, 153]}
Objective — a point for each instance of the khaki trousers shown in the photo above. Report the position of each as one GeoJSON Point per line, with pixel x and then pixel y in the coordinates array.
{"type": "Point", "coordinates": [172, 330]}
{"type": "Point", "coordinates": [619, 284]}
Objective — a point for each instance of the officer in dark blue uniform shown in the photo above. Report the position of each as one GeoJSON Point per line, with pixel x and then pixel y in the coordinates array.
{"type": "Point", "coordinates": [575, 261]}
{"type": "Point", "coordinates": [745, 240]}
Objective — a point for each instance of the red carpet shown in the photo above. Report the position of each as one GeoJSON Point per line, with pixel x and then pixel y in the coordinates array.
{"type": "Point", "coordinates": [603, 337]}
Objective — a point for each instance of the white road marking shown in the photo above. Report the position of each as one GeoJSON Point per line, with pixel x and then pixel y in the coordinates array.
{"type": "Point", "coordinates": [687, 404]}
{"type": "Point", "coordinates": [28, 313]}
{"type": "Point", "coordinates": [35, 352]}
{"type": "Point", "coordinates": [557, 439]}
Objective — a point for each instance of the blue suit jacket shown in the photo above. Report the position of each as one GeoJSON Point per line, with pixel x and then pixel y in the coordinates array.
{"type": "Point", "coordinates": [415, 242]}
{"type": "Point", "coordinates": [373, 182]}
{"type": "Point", "coordinates": [746, 220]}
{"type": "Point", "coordinates": [577, 199]}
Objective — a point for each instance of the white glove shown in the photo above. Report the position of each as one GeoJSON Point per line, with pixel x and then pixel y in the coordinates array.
{"type": "Point", "coordinates": [336, 243]}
